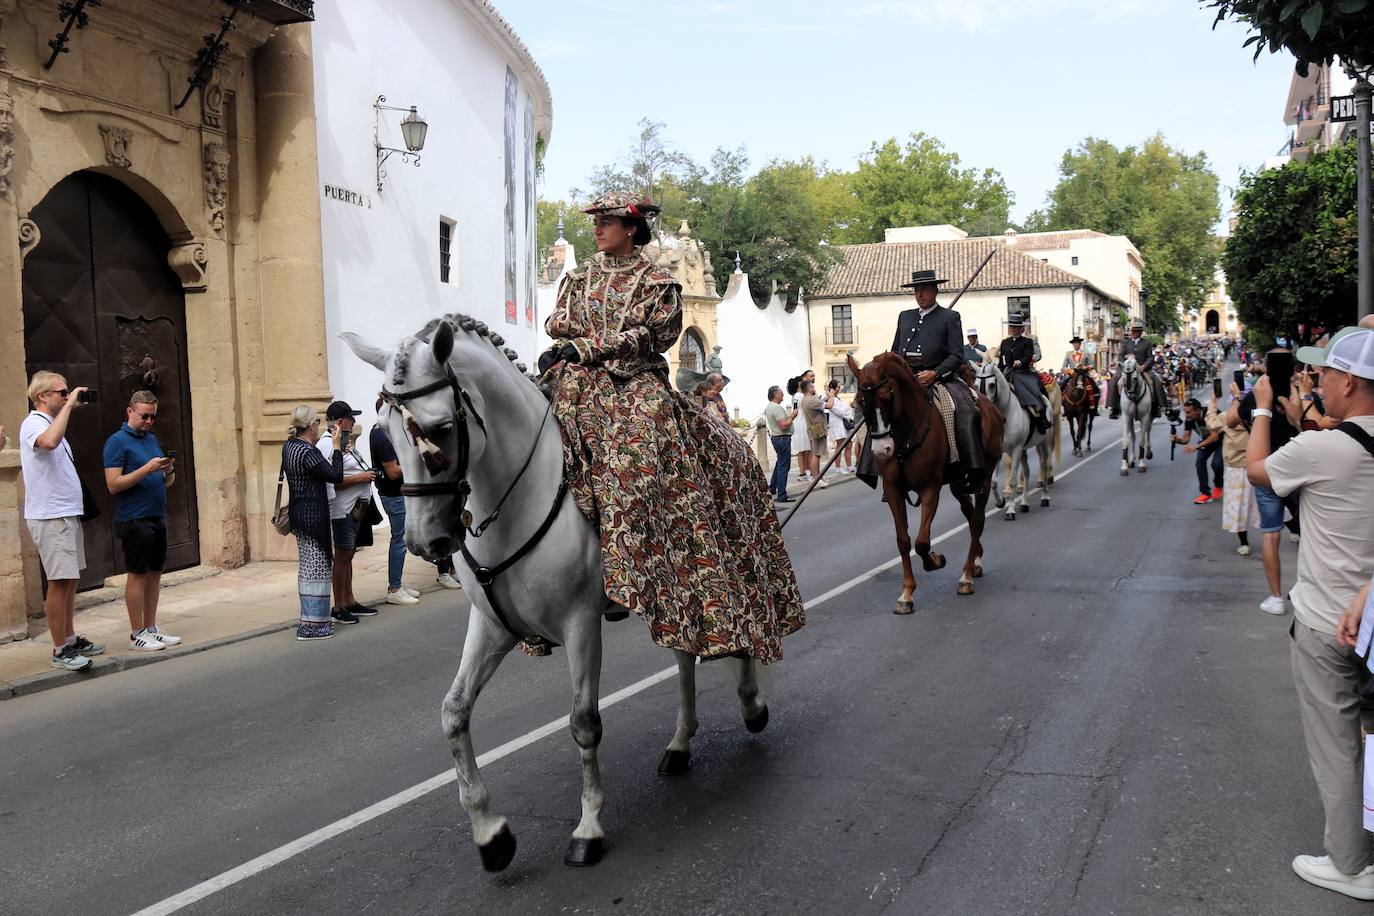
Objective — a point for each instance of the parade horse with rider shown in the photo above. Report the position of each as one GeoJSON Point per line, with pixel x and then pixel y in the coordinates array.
{"type": "Point", "coordinates": [596, 492]}
{"type": "Point", "coordinates": [1080, 393]}
{"type": "Point", "coordinates": [928, 428]}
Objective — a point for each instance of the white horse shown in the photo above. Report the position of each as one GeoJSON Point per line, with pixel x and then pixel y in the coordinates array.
{"type": "Point", "coordinates": [1137, 406]}
{"type": "Point", "coordinates": [476, 440]}
{"type": "Point", "coordinates": [1019, 439]}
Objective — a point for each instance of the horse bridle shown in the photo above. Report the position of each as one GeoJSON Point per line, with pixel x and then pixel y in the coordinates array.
{"type": "Point", "coordinates": [437, 461]}
{"type": "Point", "coordinates": [912, 443]}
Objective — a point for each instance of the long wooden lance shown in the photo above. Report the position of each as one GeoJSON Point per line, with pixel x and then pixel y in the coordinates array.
{"type": "Point", "coordinates": [839, 450]}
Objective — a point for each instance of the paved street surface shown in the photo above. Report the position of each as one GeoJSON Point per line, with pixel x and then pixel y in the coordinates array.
{"type": "Point", "coordinates": [1107, 726]}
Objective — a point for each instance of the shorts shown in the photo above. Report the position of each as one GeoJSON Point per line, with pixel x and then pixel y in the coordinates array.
{"type": "Point", "coordinates": [61, 546]}
{"type": "Point", "coordinates": [345, 533]}
{"type": "Point", "coordinates": [145, 544]}
{"type": "Point", "coordinates": [1270, 509]}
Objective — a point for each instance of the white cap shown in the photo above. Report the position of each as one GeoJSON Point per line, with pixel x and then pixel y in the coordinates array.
{"type": "Point", "coordinates": [1352, 351]}
{"type": "Point", "coordinates": [971, 333]}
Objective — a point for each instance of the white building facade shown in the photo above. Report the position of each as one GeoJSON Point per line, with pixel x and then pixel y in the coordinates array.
{"type": "Point", "coordinates": [454, 232]}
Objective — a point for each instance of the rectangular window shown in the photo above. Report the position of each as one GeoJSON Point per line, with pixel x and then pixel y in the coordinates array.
{"type": "Point", "coordinates": [1019, 304]}
{"type": "Point", "coordinates": [1074, 260]}
{"type": "Point", "coordinates": [841, 324]}
{"type": "Point", "coordinates": [848, 384]}
{"type": "Point", "coordinates": [445, 250]}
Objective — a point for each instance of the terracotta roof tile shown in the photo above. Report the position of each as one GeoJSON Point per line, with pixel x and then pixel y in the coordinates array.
{"type": "Point", "coordinates": [1048, 241]}
{"type": "Point", "coordinates": [880, 269]}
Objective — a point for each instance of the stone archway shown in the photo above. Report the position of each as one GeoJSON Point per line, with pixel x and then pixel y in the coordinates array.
{"type": "Point", "coordinates": [102, 306]}
{"type": "Point", "coordinates": [1211, 322]}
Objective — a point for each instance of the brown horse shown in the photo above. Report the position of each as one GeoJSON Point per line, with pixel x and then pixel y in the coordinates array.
{"type": "Point", "coordinates": [1079, 408]}
{"type": "Point", "coordinates": [911, 447]}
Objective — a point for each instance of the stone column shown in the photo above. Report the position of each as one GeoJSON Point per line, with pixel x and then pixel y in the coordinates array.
{"type": "Point", "coordinates": [290, 259]}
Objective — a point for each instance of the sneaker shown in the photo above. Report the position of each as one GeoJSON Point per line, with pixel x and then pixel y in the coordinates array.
{"type": "Point", "coordinates": [1318, 870]}
{"type": "Point", "coordinates": [447, 581]}
{"type": "Point", "coordinates": [412, 592]}
{"type": "Point", "coordinates": [1295, 538]}
{"type": "Point", "coordinates": [1216, 494]}
{"type": "Point", "coordinates": [70, 660]}
{"type": "Point", "coordinates": [821, 484]}
{"type": "Point", "coordinates": [145, 641]}
{"type": "Point", "coordinates": [362, 610]}
{"type": "Point", "coordinates": [309, 631]}
{"type": "Point", "coordinates": [84, 646]}
{"type": "Point", "coordinates": [1275, 605]}
{"type": "Point", "coordinates": [401, 596]}
{"type": "Point", "coordinates": [340, 615]}
{"type": "Point", "coordinates": [784, 499]}
{"type": "Point", "coordinates": [167, 639]}
{"type": "Point", "coordinates": [1202, 499]}
{"type": "Point", "coordinates": [1243, 550]}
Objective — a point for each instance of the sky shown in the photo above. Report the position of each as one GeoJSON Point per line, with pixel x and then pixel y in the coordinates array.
{"type": "Point", "coordinates": [1009, 85]}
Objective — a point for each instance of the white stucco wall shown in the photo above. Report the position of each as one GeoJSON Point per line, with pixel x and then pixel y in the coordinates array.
{"type": "Point", "coordinates": [381, 251]}
{"type": "Point", "coordinates": [1110, 263]}
{"type": "Point", "coordinates": [759, 347]}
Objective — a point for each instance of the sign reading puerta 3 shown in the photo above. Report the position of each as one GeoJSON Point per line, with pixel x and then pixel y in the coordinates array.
{"type": "Point", "coordinates": [344, 195]}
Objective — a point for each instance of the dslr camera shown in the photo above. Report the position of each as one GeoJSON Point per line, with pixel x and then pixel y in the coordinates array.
{"type": "Point", "coordinates": [1174, 415]}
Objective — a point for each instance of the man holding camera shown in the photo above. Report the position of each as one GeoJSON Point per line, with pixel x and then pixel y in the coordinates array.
{"type": "Point", "coordinates": [1208, 450]}
{"type": "Point", "coordinates": [138, 474]}
{"type": "Point", "coordinates": [53, 506]}
{"type": "Point", "coordinates": [779, 420]}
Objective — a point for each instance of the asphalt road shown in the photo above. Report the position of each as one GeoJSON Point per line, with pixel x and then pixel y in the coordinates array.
{"type": "Point", "coordinates": [1107, 726]}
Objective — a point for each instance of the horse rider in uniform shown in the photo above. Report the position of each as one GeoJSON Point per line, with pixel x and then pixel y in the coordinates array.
{"type": "Point", "coordinates": [1016, 358]}
{"type": "Point", "coordinates": [1076, 359]}
{"type": "Point", "coordinates": [974, 352]}
{"type": "Point", "coordinates": [930, 338]}
{"type": "Point", "coordinates": [1144, 352]}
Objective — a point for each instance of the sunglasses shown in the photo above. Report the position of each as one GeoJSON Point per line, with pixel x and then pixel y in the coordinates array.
{"type": "Point", "coordinates": [62, 391]}
{"type": "Point", "coordinates": [145, 416]}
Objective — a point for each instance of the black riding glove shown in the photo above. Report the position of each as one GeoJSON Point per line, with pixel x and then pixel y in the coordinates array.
{"type": "Point", "coordinates": [569, 354]}
{"type": "Point", "coordinates": [547, 359]}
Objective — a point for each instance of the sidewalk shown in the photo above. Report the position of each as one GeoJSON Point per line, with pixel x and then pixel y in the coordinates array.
{"type": "Point", "coordinates": [204, 610]}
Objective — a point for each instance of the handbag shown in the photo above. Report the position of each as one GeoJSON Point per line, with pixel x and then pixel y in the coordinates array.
{"type": "Point", "coordinates": [281, 515]}
{"type": "Point", "coordinates": [89, 508]}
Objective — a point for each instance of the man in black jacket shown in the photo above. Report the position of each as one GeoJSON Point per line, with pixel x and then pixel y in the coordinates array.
{"type": "Point", "coordinates": [1016, 359]}
{"type": "Point", "coordinates": [1144, 352]}
{"type": "Point", "coordinates": [931, 338]}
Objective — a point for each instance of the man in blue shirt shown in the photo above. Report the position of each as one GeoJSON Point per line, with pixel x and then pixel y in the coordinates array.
{"type": "Point", "coordinates": [137, 474]}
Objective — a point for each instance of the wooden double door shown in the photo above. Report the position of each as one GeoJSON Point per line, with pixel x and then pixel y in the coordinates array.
{"type": "Point", "coordinates": [103, 308]}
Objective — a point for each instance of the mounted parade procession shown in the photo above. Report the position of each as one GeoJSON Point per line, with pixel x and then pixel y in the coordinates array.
{"type": "Point", "coordinates": [586, 507]}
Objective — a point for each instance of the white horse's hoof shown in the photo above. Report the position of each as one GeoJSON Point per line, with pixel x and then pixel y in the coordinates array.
{"type": "Point", "coordinates": [1142, 469]}
{"type": "Point", "coordinates": [582, 853]}
{"type": "Point", "coordinates": [905, 607]}
{"type": "Point", "coordinates": [759, 722]}
{"type": "Point", "coordinates": [674, 763]}
{"type": "Point", "coordinates": [965, 588]}
{"type": "Point", "coordinates": [1024, 507]}
{"type": "Point", "coordinates": [497, 854]}
{"type": "Point", "coordinates": [1044, 502]}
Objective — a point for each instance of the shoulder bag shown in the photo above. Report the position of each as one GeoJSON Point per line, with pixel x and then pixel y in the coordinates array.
{"type": "Point", "coordinates": [281, 515]}
{"type": "Point", "coordinates": [90, 509]}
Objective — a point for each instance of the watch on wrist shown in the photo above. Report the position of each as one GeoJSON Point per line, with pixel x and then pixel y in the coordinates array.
{"type": "Point", "coordinates": [1262, 412]}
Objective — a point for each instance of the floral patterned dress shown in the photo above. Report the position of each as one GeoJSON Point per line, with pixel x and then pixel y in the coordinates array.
{"type": "Point", "coordinates": [689, 538]}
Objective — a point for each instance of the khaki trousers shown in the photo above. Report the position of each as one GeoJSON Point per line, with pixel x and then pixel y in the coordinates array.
{"type": "Point", "coordinates": [1327, 678]}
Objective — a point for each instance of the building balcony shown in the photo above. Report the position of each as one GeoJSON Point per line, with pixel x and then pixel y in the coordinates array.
{"type": "Point", "coordinates": [283, 12]}
{"type": "Point", "coordinates": [841, 338]}
{"type": "Point", "coordinates": [1312, 127]}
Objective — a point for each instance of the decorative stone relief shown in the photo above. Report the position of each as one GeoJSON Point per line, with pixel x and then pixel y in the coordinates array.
{"type": "Point", "coordinates": [212, 103]}
{"type": "Point", "coordinates": [188, 261]}
{"type": "Point", "coordinates": [6, 140]}
{"type": "Point", "coordinates": [29, 236]}
{"type": "Point", "coordinates": [216, 184]}
{"type": "Point", "coordinates": [117, 143]}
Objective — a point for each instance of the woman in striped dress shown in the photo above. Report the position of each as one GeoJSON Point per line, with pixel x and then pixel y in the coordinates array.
{"type": "Point", "coordinates": [307, 472]}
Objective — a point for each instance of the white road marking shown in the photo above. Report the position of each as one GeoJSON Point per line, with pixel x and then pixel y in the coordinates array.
{"type": "Point", "coordinates": [406, 796]}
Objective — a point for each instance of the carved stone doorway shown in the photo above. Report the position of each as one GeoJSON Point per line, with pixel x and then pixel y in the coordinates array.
{"type": "Point", "coordinates": [102, 307]}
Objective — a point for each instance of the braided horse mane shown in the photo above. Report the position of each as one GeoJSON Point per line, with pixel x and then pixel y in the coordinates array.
{"type": "Point", "coordinates": [458, 322]}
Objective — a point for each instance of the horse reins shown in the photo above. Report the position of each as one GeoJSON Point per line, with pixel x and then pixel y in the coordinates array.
{"type": "Point", "coordinates": [437, 461]}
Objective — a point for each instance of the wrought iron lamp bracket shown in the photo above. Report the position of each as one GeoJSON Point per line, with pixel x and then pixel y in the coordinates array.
{"type": "Point", "coordinates": [73, 14]}
{"type": "Point", "coordinates": [207, 58]}
{"type": "Point", "coordinates": [384, 152]}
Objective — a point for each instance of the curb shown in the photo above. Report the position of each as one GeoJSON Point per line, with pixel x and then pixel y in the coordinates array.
{"type": "Point", "coordinates": [101, 666]}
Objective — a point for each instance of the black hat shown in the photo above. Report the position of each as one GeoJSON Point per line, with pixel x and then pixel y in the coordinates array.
{"type": "Point", "coordinates": [922, 277]}
{"type": "Point", "coordinates": [1016, 320]}
{"type": "Point", "coordinates": [1075, 339]}
{"type": "Point", "coordinates": [340, 409]}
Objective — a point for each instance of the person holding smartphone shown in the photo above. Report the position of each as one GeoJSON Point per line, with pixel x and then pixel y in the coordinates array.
{"type": "Point", "coordinates": [343, 497]}
{"type": "Point", "coordinates": [137, 474]}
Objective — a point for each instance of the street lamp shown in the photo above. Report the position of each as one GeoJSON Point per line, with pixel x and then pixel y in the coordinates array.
{"type": "Point", "coordinates": [413, 130]}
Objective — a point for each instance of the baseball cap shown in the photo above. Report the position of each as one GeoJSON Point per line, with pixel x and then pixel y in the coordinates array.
{"type": "Point", "coordinates": [971, 333]}
{"type": "Point", "coordinates": [1350, 350]}
{"type": "Point", "coordinates": [340, 409]}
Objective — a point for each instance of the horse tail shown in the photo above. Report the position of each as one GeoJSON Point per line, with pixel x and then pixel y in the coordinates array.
{"type": "Point", "coordinates": [1055, 438]}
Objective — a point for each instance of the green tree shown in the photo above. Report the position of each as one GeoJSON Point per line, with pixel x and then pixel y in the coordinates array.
{"type": "Point", "coordinates": [921, 184]}
{"type": "Point", "coordinates": [1313, 31]}
{"type": "Point", "coordinates": [1165, 200]}
{"type": "Point", "coordinates": [1292, 255]}
{"type": "Point", "coordinates": [577, 227]}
